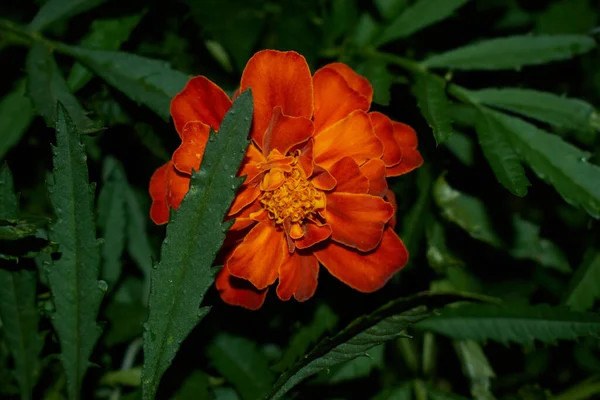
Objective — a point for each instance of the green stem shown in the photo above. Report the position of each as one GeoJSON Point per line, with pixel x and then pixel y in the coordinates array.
{"type": "Point", "coordinates": [408, 350]}
{"type": "Point", "coordinates": [583, 390]}
{"type": "Point", "coordinates": [20, 35]}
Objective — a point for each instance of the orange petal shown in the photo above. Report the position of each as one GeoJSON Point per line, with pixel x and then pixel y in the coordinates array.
{"type": "Point", "coordinates": [286, 132]}
{"type": "Point", "coordinates": [277, 78]}
{"type": "Point", "coordinates": [382, 126]}
{"type": "Point", "coordinates": [193, 142]}
{"type": "Point", "coordinates": [246, 195]}
{"type": "Point", "coordinates": [258, 257]}
{"type": "Point", "coordinates": [272, 180]}
{"type": "Point", "coordinates": [305, 158]}
{"type": "Point", "coordinates": [298, 276]}
{"type": "Point", "coordinates": [334, 99]}
{"type": "Point", "coordinates": [349, 177]}
{"type": "Point", "coordinates": [354, 80]}
{"type": "Point", "coordinates": [365, 272]}
{"type": "Point", "coordinates": [200, 100]}
{"type": "Point", "coordinates": [322, 179]}
{"type": "Point", "coordinates": [374, 170]}
{"type": "Point", "coordinates": [313, 234]}
{"type": "Point", "coordinates": [352, 136]}
{"type": "Point", "coordinates": [250, 164]}
{"type": "Point", "coordinates": [177, 187]}
{"type": "Point", "coordinates": [159, 210]}
{"type": "Point", "coordinates": [357, 220]}
{"type": "Point", "coordinates": [390, 197]}
{"type": "Point", "coordinates": [238, 292]}
{"type": "Point", "coordinates": [406, 137]}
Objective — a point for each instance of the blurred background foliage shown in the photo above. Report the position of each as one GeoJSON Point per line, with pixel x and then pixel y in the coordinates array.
{"type": "Point", "coordinates": [538, 253]}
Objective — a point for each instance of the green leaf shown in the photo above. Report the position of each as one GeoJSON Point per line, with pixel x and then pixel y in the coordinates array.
{"type": "Point", "coordinates": [340, 20]}
{"type": "Point", "coordinates": [584, 288]}
{"type": "Point", "coordinates": [462, 146]}
{"type": "Point", "coordinates": [104, 34]}
{"type": "Point", "coordinates": [365, 30]}
{"type": "Point", "coordinates": [512, 52]}
{"type": "Point", "coordinates": [501, 156]}
{"type": "Point", "coordinates": [576, 180]}
{"type": "Point", "coordinates": [559, 111]}
{"type": "Point", "coordinates": [56, 10]}
{"type": "Point", "coordinates": [73, 277]}
{"type": "Point", "coordinates": [388, 9]}
{"type": "Point", "coordinates": [433, 103]}
{"type": "Point", "coordinates": [46, 86]}
{"type": "Point", "coordinates": [567, 16]}
{"type": "Point", "coordinates": [194, 236]}
{"type": "Point", "coordinates": [241, 363]}
{"type": "Point", "coordinates": [125, 321]}
{"type": "Point", "coordinates": [195, 387]}
{"type": "Point", "coordinates": [517, 323]}
{"type": "Point", "coordinates": [17, 230]}
{"type": "Point", "coordinates": [476, 367]}
{"type": "Point", "coordinates": [436, 394]}
{"type": "Point", "coordinates": [125, 377]}
{"type": "Point", "coordinates": [360, 367]}
{"type": "Point", "coordinates": [377, 73]}
{"type": "Point", "coordinates": [403, 392]}
{"type": "Point", "coordinates": [9, 202]}
{"type": "Point", "coordinates": [16, 114]}
{"type": "Point", "coordinates": [20, 320]}
{"type": "Point", "coordinates": [144, 80]}
{"type": "Point", "coordinates": [420, 15]}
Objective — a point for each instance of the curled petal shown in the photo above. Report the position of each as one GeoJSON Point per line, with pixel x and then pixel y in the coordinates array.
{"type": "Point", "coordinates": [286, 132]}
{"type": "Point", "coordinates": [322, 179]}
{"type": "Point", "coordinates": [159, 210]}
{"type": "Point", "coordinates": [349, 177]}
{"type": "Point", "coordinates": [375, 172]}
{"type": "Point", "coordinates": [245, 196]}
{"type": "Point", "coordinates": [272, 180]}
{"type": "Point", "coordinates": [277, 78]}
{"type": "Point", "coordinates": [354, 80]}
{"type": "Point", "coordinates": [305, 158]}
{"type": "Point", "coordinates": [193, 142]}
{"type": "Point", "coordinates": [357, 220]}
{"type": "Point", "coordinates": [200, 100]}
{"type": "Point", "coordinates": [384, 130]}
{"type": "Point", "coordinates": [365, 272]}
{"type": "Point", "coordinates": [390, 197]}
{"type": "Point", "coordinates": [298, 275]}
{"type": "Point", "coordinates": [334, 99]}
{"type": "Point", "coordinates": [238, 292]}
{"type": "Point", "coordinates": [313, 234]}
{"type": "Point", "coordinates": [406, 137]}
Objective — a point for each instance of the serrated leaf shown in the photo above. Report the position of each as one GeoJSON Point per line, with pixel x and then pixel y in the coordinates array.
{"type": "Point", "coordinates": [56, 10]}
{"type": "Point", "coordinates": [358, 368]}
{"type": "Point", "coordinates": [584, 288]}
{"type": "Point", "coordinates": [144, 80]}
{"type": "Point", "coordinates": [17, 230]}
{"type": "Point", "coordinates": [194, 236]}
{"type": "Point", "coordinates": [386, 323]}
{"type": "Point", "coordinates": [73, 277]}
{"type": "Point", "coordinates": [16, 114]}
{"type": "Point", "coordinates": [240, 361]}
{"type": "Point", "coordinates": [559, 111]}
{"type": "Point", "coordinates": [46, 86]}
{"type": "Point", "coordinates": [476, 367]}
{"type": "Point", "coordinates": [518, 323]}
{"type": "Point", "coordinates": [420, 15]}
{"type": "Point", "coordinates": [576, 180]}
{"type": "Point", "coordinates": [512, 52]}
{"type": "Point", "coordinates": [433, 103]}
{"type": "Point", "coordinates": [501, 156]}
{"type": "Point", "coordinates": [9, 202]}
{"type": "Point", "coordinates": [20, 320]}
{"type": "Point", "coordinates": [104, 34]}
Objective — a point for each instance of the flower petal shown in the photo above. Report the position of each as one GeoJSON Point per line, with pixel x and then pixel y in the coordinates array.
{"type": "Point", "coordinates": [349, 177]}
{"type": "Point", "coordinates": [352, 136]}
{"type": "Point", "coordinates": [159, 210]}
{"type": "Point", "coordinates": [193, 142]}
{"type": "Point", "coordinates": [382, 126]}
{"type": "Point", "coordinates": [313, 234]}
{"type": "Point", "coordinates": [298, 275]}
{"type": "Point", "coordinates": [178, 185]}
{"type": "Point", "coordinates": [374, 170]}
{"type": "Point", "coordinates": [334, 99]}
{"type": "Point", "coordinates": [238, 292]}
{"type": "Point", "coordinates": [357, 220]}
{"type": "Point", "coordinates": [286, 132]}
{"type": "Point", "coordinates": [354, 80]}
{"type": "Point", "coordinates": [406, 137]}
{"type": "Point", "coordinates": [390, 197]}
{"type": "Point", "coordinates": [322, 179]}
{"type": "Point", "coordinates": [277, 78]}
{"type": "Point", "coordinates": [245, 195]}
{"type": "Point", "coordinates": [200, 100]}
{"type": "Point", "coordinates": [365, 272]}
{"type": "Point", "coordinates": [250, 164]}
{"type": "Point", "coordinates": [258, 257]}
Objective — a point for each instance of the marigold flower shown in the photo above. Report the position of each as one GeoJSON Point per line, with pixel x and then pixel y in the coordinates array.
{"type": "Point", "coordinates": [315, 191]}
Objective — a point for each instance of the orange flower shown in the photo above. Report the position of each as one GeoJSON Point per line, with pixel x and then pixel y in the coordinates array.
{"type": "Point", "coordinates": [315, 192]}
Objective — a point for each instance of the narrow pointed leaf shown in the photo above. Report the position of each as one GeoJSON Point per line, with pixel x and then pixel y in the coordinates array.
{"type": "Point", "coordinates": [476, 367]}
{"type": "Point", "coordinates": [194, 236]}
{"type": "Point", "coordinates": [513, 52]}
{"type": "Point", "coordinates": [421, 14]}
{"type": "Point", "coordinates": [56, 10]}
{"type": "Point", "coordinates": [73, 277]}
{"type": "Point", "coordinates": [512, 323]}
{"type": "Point", "coordinates": [434, 106]}
{"type": "Point", "coordinates": [585, 286]}
{"type": "Point", "coordinates": [20, 319]}
{"type": "Point", "coordinates": [16, 114]}
{"type": "Point", "coordinates": [46, 86]}
{"type": "Point", "coordinates": [9, 202]}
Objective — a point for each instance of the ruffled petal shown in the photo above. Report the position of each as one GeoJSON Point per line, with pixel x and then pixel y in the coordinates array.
{"type": "Point", "coordinates": [200, 100]}
{"type": "Point", "coordinates": [365, 272]}
{"type": "Point", "coordinates": [382, 126]}
{"type": "Point", "coordinates": [406, 137]}
{"type": "Point", "coordinates": [354, 80]}
{"type": "Point", "coordinates": [390, 197]}
{"type": "Point", "coordinates": [245, 196]}
{"type": "Point", "coordinates": [250, 164]}
{"type": "Point", "coordinates": [313, 234]}
{"type": "Point", "coordinates": [298, 276]}
{"type": "Point", "coordinates": [193, 142]}
{"type": "Point", "coordinates": [334, 99]}
{"type": "Point", "coordinates": [238, 292]}
{"type": "Point", "coordinates": [322, 179]}
{"type": "Point", "coordinates": [277, 78]}
{"type": "Point", "coordinates": [349, 177]}
{"type": "Point", "coordinates": [159, 210]}
{"type": "Point", "coordinates": [178, 185]}
{"type": "Point", "coordinates": [286, 132]}
{"type": "Point", "coordinates": [375, 172]}
{"type": "Point", "coordinates": [305, 158]}
{"type": "Point", "coordinates": [357, 220]}
{"type": "Point", "coordinates": [352, 136]}
{"type": "Point", "coordinates": [258, 257]}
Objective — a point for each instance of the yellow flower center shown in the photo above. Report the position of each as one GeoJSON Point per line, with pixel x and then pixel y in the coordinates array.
{"type": "Point", "coordinates": [296, 198]}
